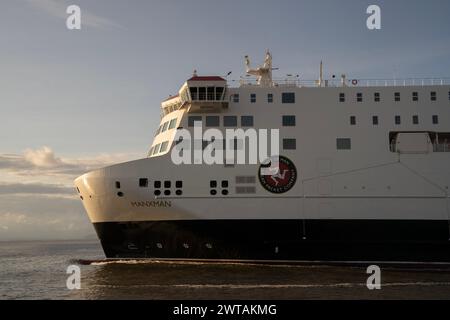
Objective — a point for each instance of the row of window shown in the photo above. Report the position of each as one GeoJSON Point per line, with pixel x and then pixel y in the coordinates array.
{"type": "Point", "coordinates": [160, 147]}
{"type": "Point", "coordinates": [232, 121]}
{"type": "Point", "coordinates": [286, 97]}
{"type": "Point", "coordinates": [228, 121]}
{"type": "Point", "coordinates": [397, 120]}
{"type": "Point", "coordinates": [157, 185]}
{"type": "Point", "coordinates": [206, 93]}
{"type": "Point", "coordinates": [377, 97]}
{"type": "Point", "coordinates": [166, 126]}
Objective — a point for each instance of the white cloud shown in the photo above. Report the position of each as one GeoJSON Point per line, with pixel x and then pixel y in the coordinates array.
{"type": "Point", "coordinates": [57, 9]}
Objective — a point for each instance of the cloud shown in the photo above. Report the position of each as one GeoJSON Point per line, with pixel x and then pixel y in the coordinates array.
{"type": "Point", "coordinates": [35, 188]}
{"type": "Point", "coordinates": [43, 161]}
{"type": "Point", "coordinates": [57, 9]}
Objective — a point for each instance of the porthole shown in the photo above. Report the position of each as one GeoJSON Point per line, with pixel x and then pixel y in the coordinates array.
{"type": "Point", "coordinates": [178, 192]}
{"type": "Point", "coordinates": [213, 192]}
{"type": "Point", "coordinates": [81, 197]}
{"type": "Point", "coordinates": [157, 192]}
{"type": "Point", "coordinates": [167, 192]}
{"type": "Point", "coordinates": [225, 192]}
{"type": "Point", "coordinates": [120, 194]}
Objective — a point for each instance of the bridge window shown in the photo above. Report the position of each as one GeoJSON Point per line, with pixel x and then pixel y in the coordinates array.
{"type": "Point", "coordinates": [288, 97]}
{"type": "Point", "coordinates": [415, 119]}
{"type": "Point", "coordinates": [219, 93]}
{"type": "Point", "coordinates": [202, 93]}
{"type": "Point", "coordinates": [173, 123]}
{"type": "Point", "coordinates": [155, 151]}
{"type": "Point", "coordinates": [165, 125]}
{"type": "Point", "coordinates": [352, 120]}
{"type": "Point", "coordinates": [289, 121]}
{"type": "Point", "coordinates": [252, 98]}
{"type": "Point", "coordinates": [433, 95]}
{"type": "Point", "coordinates": [359, 97]}
{"type": "Point", "coordinates": [247, 121]}
{"type": "Point", "coordinates": [194, 93]}
{"type": "Point", "coordinates": [212, 121]}
{"type": "Point", "coordinates": [270, 97]}
{"type": "Point", "coordinates": [289, 144]}
{"type": "Point", "coordinates": [210, 93]}
{"type": "Point", "coordinates": [397, 96]}
{"type": "Point", "coordinates": [398, 120]}
{"type": "Point", "coordinates": [192, 119]}
{"type": "Point", "coordinates": [230, 121]}
{"type": "Point", "coordinates": [435, 119]}
{"type": "Point", "coordinates": [415, 96]}
{"type": "Point", "coordinates": [341, 97]}
{"type": "Point", "coordinates": [164, 146]}
{"type": "Point", "coordinates": [343, 143]}
{"type": "Point", "coordinates": [376, 97]}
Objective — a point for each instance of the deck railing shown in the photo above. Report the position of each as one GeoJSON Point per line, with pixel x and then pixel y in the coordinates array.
{"type": "Point", "coordinates": [294, 82]}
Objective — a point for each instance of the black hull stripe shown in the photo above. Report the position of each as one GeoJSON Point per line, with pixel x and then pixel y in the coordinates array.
{"type": "Point", "coordinates": [312, 240]}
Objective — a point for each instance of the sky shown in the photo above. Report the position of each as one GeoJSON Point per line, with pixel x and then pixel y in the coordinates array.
{"type": "Point", "coordinates": [75, 100]}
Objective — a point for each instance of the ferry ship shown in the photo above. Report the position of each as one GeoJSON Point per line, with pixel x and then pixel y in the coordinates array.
{"type": "Point", "coordinates": [365, 175]}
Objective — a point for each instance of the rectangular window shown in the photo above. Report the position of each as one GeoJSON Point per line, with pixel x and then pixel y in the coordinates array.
{"type": "Point", "coordinates": [164, 146]}
{"type": "Point", "coordinates": [213, 184]}
{"type": "Point", "coordinates": [212, 121]}
{"type": "Point", "coordinates": [375, 120]}
{"type": "Point", "coordinates": [359, 97]}
{"type": "Point", "coordinates": [165, 125]}
{"type": "Point", "coordinates": [143, 182]}
{"type": "Point", "coordinates": [270, 98]}
{"type": "Point", "coordinates": [288, 97]}
{"type": "Point", "coordinates": [252, 98]}
{"type": "Point", "coordinates": [245, 179]}
{"type": "Point", "coordinates": [219, 93]}
{"type": "Point", "coordinates": [236, 98]}
{"type": "Point", "coordinates": [433, 96]}
{"type": "Point", "coordinates": [415, 119]}
{"type": "Point", "coordinates": [157, 184]}
{"type": "Point", "coordinates": [435, 119]}
{"type": "Point", "coordinates": [376, 97]}
{"type": "Point", "coordinates": [247, 121]}
{"type": "Point", "coordinates": [192, 119]}
{"type": "Point", "coordinates": [225, 184]}
{"type": "Point", "coordinates": [289, 144]}
{"type": "Point", "coordinates": [397, 96]}
{"type": "Point", "coordinates": [167, 184]}
{"type": "Point", "coordinates": [202, 93]}
{"type": "Point", "coordinates": [341, 97]}
{"type": "Point", "coordinates": [178, 184]}
{"type": "Point", "coordinates": [352, 120]}
{"type": "Point", "coordinates": [288, 121]}
{"type": "Point", "coordinates": [210, 93]}
{"type": "Point", "coordinates": [173, 123]}
{"type": "Point", "coordinates": [343, 143]}
{"type": "Point", "coordinates": [117, 184]}
{"type": "Point", "coordinates": [398, 120]}
{"type": "Point", "coordinates": [194, 94]}
{"type": "Point", "coordinates": [156, 150]}
{"type": "Point", "coordinates": [415, 96]}
{"type": "Point", "coordinates": [230, 121]}
{"type": "Point", "coordinates": [449, 95]}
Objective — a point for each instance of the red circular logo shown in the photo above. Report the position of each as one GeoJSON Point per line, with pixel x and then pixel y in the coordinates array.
{"type": "Point", "coordinates": [281, 180]}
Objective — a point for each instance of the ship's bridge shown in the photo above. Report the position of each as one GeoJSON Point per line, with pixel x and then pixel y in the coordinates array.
{"type": "Point", "coordinates": [199, 94]}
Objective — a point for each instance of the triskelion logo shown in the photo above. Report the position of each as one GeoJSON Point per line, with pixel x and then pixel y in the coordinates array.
{"type": "Point", "coordinates": [281, 181]}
